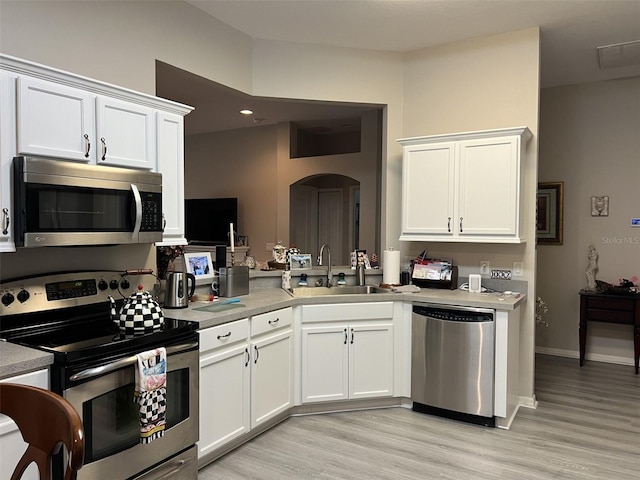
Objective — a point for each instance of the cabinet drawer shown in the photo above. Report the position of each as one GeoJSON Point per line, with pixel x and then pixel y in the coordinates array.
{"type": "Point", "coordinates": [223, 335]}
{"type": "Point", "coordinates": [347, 311]}
{"type": "Point", "coordinates": [268, 322]}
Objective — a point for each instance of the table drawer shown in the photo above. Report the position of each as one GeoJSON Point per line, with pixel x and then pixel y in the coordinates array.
{"type": "Point", "coordinates": [609, 303]}
{"type": "Point", "coordinates": [223, 335]}
{"type": "Point", "coordinates": [268, 322]}
{"type": "Point", "coordinates": [611, 316]}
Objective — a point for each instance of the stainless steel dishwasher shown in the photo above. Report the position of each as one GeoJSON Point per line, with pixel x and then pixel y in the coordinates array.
{"type": "Point", "coordinates": [452, 362]}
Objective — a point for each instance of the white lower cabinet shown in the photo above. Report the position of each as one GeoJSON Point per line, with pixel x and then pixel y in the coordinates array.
{"type": "Point", "coordinates": [345, 361]}
{"type": "Point", "coordinates": [246, 370]}
{"type": "Point", "coordinates": [271, 376]}
{"type": "Point", "coordinates": [12, 446]}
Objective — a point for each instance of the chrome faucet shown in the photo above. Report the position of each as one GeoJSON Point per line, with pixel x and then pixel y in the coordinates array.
{"type": "Point", "coordinates": [329, 274]}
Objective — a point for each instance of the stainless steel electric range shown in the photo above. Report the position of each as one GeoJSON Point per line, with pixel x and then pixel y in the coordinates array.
{"type": "Point", "coordinates": [68, 314]}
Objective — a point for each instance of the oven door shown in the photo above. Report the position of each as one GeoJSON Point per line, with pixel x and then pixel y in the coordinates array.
{"type": "Point", "coordinates": [111, 419]}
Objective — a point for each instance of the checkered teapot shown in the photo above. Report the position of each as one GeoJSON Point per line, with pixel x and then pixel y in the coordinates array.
{"type": "Point", "coordinates": [139, 314]}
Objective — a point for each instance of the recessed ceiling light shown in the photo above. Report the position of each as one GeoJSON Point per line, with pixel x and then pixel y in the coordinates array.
{"type": "Point", "coordinates": [246, 111]}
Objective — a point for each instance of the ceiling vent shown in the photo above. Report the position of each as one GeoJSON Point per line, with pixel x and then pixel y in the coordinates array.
{"type": "Point", "coordinates": [619, 55]}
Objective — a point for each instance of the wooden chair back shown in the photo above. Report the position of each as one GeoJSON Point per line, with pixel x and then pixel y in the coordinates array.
{"type": "Point", "coordinates": [46, 422]}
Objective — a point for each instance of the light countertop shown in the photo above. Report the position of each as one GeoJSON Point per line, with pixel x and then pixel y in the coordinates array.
{"type": "Point", "coordinates": [15, 359]}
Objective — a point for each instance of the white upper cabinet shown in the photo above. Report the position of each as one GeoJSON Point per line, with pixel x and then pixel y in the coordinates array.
{"type": "Point", "coordinates": [73, 124]}
{"type": "Point", "coordinates": [126, 134]}
{"type": "Point", "coordinates": [7, 150]}
{"type": "Point", "coordinates": [55, 120]}
{"type": "Point", "coordinates": [170, 155]}
{"type": "Point", "coordinates": [463, 187]}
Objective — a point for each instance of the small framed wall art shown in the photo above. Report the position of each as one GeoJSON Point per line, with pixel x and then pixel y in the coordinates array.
{"type": "Point", "coordinates": [599, 206]}
{"type": "Point", "coordinates": [549, 213]}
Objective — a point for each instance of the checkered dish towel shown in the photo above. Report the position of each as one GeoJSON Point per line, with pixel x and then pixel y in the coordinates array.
{"type": "Point", "coordinates": [151, 393]}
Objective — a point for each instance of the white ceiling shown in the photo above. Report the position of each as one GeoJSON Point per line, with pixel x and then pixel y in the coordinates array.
{"type": "Point", "coordinates": [570, 32]}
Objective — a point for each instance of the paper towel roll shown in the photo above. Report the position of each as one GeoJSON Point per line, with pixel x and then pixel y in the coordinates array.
{"type": "Point", "coordinates": [391, 267]}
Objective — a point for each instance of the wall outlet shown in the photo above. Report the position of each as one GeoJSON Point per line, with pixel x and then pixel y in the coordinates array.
{"type": "Point", "coordinates": [501, 274]}
{"type": "Point", "coordinates": [485, 267]}
{"type": "Point", "coordinates": [518, 269]}
{"type": "Point", "coordinates": [270, 247]}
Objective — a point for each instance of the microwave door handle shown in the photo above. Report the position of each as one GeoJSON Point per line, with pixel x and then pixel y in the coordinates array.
{"type": "Point", "coordinates": [125, 362]}
{"type": "Point", "coordinates": [138, 219]}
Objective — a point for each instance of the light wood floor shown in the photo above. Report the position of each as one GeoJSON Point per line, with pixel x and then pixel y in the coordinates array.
{"type": "Point", "coordinates": [586, 426]}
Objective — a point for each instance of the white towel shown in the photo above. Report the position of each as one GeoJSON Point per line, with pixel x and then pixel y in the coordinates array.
{"type": "Point", "coordinates": [151, 393]}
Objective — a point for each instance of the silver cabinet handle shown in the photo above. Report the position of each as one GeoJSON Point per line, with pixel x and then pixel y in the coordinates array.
{"type": "Point", "coordinates": [138, 220]}
{"type": "Point", "coordinates": [345, 336]}
{"type": "Point", "coordinates": [246, 350]}
{"type": "Point", "coordinates": [449, 224]}
{"type": "Point", "coordinates": [125, 362]}
{"type": "Point", "coordinates": [460, 224]}
{"type": "Point", "coordinates": [273, 322]}
{"type": "Point", "coordinates": [104, 148]}
{"type": "Point", "coordinates": [257, 354]}
{"type": "Point", "coordinates": [86, 153]}
{"type": "Point", "coordinates": [5, 221]}
{"type": "Point", "coordinates": [164, 221]}
{"type": "Point", "coordinates": [226, 335]}
{"type": "Point", "coordinates": [352, 336]}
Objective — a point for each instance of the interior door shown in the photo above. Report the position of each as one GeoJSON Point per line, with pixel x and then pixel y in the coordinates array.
{"type": "Point", "coordinates": [303, 228]}
{"type": "Point", "coordinates": [330, 229]}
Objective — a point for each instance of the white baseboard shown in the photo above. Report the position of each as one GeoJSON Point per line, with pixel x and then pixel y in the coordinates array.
{"type": "Point", "coordinates": [595, 357]}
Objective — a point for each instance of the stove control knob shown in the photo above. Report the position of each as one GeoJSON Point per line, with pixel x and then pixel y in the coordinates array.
{"type": "Point", "coordinates": [124, 284]}
{"type": "Point", "coordinates": [103, 285]}
{"type": "Point", "coordinates": [23, 296]}
{"type": "Point", "coordinates": [113, 284]}
{"type": "Point", "coordinates": [7, 299]}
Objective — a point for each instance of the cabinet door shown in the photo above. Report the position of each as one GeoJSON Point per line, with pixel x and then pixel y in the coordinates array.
{"type": "Point", "coordinates": [271, 376]}
{"type": "Point", "coordinates": [126, 134]}
{"type": "Point", "coordinates": [12, 446]}
{"type": "Point", "coordinates": [428, 182]}
{"type": "Point", "coordinates": [489, 187]}
{"type": "Point", "coordinates": [170, 148]}
{"type": "Point", "coordinates": [371, 360]}
{"type": "Point", "coordinates": [325, 363]}
{"type": "Point", "coordinates": [224, 397]}
{"type": "Point", "coordinates": [55, 120]}
{"type": "Point", "coordinates": [7, 151]}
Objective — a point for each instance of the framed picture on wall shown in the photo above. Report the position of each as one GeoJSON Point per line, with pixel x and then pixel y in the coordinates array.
{"type": "Point", "coordinates": [549, 213]}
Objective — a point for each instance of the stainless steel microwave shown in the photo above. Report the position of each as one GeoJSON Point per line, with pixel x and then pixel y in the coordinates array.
{"type": "Point", "coordinates": [62, 203]}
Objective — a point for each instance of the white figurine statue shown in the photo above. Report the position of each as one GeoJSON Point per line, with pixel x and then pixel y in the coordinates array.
{"type": "Point", "coordinates": [592, 269]}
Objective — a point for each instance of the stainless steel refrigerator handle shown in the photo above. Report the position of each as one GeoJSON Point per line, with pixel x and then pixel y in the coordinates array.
{"type": "Point", "coordinates": [125, 362]}
{"type": "Point", "coordinates": [138, 221]}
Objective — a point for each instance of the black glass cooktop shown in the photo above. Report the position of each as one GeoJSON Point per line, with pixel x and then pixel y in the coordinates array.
{"type": "Point", "coordinates": [83, 334]}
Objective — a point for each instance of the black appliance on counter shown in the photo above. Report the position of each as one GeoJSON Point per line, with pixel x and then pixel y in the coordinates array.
{"type": "Point", "coordinates": [68, 315]}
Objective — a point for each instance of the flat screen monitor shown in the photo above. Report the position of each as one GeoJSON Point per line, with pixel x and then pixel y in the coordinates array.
{"type": "Point", "coordinates": [207, 220]}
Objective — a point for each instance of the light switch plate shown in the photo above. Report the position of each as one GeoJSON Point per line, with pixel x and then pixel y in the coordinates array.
{"type": "Point", "coordinates": [518, 269]}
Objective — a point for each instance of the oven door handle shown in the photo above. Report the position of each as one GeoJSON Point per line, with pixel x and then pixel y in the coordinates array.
{"type": "Point", "coordinates": [125, 362]}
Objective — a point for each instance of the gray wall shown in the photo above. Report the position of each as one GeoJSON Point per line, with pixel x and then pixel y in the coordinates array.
{"type": "Point", "coordinates": [589, 139]}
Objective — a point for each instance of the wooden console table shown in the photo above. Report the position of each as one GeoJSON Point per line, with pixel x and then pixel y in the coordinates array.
{"type": "Point", "coordinates": [607, 308]}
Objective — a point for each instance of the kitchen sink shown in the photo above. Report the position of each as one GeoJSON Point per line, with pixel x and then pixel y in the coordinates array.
{"type": "Point", "coordinates": [341, 290]}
